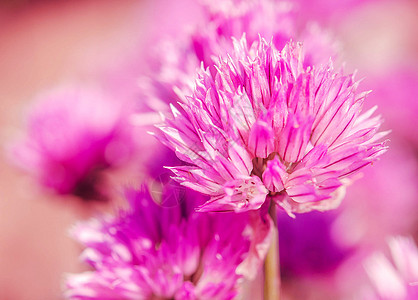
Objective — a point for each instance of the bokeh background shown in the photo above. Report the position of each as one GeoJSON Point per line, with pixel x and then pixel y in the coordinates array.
{"type": "Point", "coordinates": [50, 43]}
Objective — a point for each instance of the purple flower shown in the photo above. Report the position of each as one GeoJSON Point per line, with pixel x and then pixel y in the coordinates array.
{"type": "Point", "coordinates": [397, 280]}
{"type": "Point", "coordinates": [72, 136]}
{"type": "Point", "coordinates": [264, 125]}
{"type": "Point", "coordinates": [273, 20]}
{"type": "Point", "coordinates": [176, 60]}
{"type": "Point", "coordinates": [171, 252]}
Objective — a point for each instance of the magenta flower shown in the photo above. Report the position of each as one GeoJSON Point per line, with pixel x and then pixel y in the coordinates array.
{"type": "Point", "coordinates": [273, 20]}
{"type": "Point", "coordinates": [176, 60]}
{"type": "Point", "coordinates": [397, 280]}
{"type": "Point", "coordinates": [172, 252]}
{"type": "Point", "coordinates": [73, 135]}
{"type": "Point", "coordinates": [264, 125]}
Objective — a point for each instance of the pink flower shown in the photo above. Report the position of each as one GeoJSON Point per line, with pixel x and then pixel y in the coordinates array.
{"type": "Point", "coordinates": [176, 60]}
{"type": "Point", "coordinates": [265, 125]}
{"type": "Point", "coordinates": [273, 20]}
{"type": "Point", "coordinates": [72, 136]}
{"type": "Point", "coordinates": [397, 280]}
{"type": "Point", "coordinates": [153, 252]}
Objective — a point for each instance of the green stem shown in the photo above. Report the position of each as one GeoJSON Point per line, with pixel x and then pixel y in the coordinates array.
{"type": "Point", "coordinates": [272, 264]}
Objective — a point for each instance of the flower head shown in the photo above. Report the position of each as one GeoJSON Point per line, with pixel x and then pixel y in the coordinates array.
{"type": "Point", "coordinates": [72, 135]}
{"type": "Point", "coordinates": [165, 252]}
{"type": "Point", "coordinates": [178, 59]}
{"type": "Point", "coordinates": [400, 279]}
{"type": "Point", "coordinates": [265, 125]}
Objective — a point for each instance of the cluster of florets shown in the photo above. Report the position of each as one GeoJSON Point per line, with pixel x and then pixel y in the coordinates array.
{"type": "Point", "coordinates": [178, 60]}
{"type": "Point", "coordinates": [152, 251]}
{"type": "Point", "coordinates": [73, 135]}
{"type": "Point", "coordinates": [264, 126]}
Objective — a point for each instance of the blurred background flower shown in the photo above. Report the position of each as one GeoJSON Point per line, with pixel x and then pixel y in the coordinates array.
{"type": "Point", "coordinates": [73, 136]}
